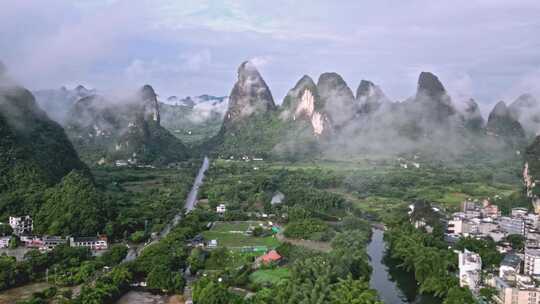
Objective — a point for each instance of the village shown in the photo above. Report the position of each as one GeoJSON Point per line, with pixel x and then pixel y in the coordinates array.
{"type": "Point", "coordinates": [22, 235]}
{"type": "Point", "coordinates": [516, 281]}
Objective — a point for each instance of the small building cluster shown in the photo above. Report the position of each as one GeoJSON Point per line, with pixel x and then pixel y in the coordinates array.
{"type": "Point", "coordinates": [481, 220]}
{"type": "Point", "coordinates": [23, 227]}
{"type": "Point", "coordinates": [517, 279]}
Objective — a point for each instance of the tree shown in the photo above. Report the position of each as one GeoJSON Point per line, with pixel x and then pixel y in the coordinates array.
{"type": "Point", "coordinates": [14, 242]}
{"type": "Point", "coordinates": [7, 272]}
{"type": "Point", "coordinates": [349, 291]}
{"type": "Point", "coordinates": [115, 255]}
{"type": "Point", "coordinates": [196, 260]}
{"type": "Point", "coordinates": [161, 278]}
{"type": "Point", "coordinates": [488, 292]}
{"type": "Point", "coordinates": [74, 206]}
{"type": "Point", "coordinates": [458, 295]}
{"type": "Point", "coordinates": [5, 230]}
{"type": "Point", "coordinates": [517, 241]}
{"type": "Point", "coordinates": [208, 291]}
{"type": "Point", "coordinates": [258, 231]}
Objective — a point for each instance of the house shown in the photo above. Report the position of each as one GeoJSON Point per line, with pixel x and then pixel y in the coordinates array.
{"type": "Point", "coordinates": [4, 241]}
{"type": "Point", "coordinates": [212, 244]}
{"type": "Point", "coordinates": [490, 211]}
{"type": "Point", "coordinates": [470, 267]}
{"type": "Point", "coordinates": [221, 208]}
{"type": "Point", "coordinates": [271, 256]}
{"type": "Point", "coordinates": [197, 241]}
{"type": "Point", "coordinates": [50, 242]}
{"type": "Point", "coordinates": [94, 243]}
{"type": "Point", "coordinates": [21, 225]}
{"type": "Point", "coordinates": [31, 241]}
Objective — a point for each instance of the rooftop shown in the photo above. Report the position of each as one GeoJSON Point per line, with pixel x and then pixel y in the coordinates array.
{"type": "Point", "coordinates": [511, 260]}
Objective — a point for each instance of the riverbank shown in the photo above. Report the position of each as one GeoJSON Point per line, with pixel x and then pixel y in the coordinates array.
{"type": "Point", "coordinates": [393, 284]}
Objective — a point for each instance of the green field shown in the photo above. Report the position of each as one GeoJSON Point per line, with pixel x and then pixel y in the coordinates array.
{"type": "Point", "coordinates": [272, 276]}
{"type": "Point", "coordinates": [231, 235]}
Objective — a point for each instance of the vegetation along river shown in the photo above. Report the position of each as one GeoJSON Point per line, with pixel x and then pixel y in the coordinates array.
{"type": "Point", "coordinates": [394, 285]}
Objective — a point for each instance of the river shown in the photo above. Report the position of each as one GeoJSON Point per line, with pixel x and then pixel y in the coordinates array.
{"type": "Point", "coordinates": [394, 285]}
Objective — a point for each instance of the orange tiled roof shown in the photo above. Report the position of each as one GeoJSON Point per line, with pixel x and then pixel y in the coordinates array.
{"type": "Point", "coordinates": [271, 256]}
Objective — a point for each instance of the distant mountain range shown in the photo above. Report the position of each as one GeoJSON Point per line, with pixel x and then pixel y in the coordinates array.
{"type": "Point", "coordinates": [324, 118]}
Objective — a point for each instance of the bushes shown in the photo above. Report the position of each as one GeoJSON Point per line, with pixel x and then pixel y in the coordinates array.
{"type": "Point", "coordinates": [138, 237]}
{"type": "Point", "coordinates": [115, 255]}
{"type": "Point", "coordinates": [306, 229]}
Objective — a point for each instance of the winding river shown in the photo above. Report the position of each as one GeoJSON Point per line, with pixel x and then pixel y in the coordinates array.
{"type": "Point", "coordinates": [394, 285]}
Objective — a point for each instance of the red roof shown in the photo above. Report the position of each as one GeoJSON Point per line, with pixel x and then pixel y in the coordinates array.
{"type": "Point", "coordinates": [271, 256]}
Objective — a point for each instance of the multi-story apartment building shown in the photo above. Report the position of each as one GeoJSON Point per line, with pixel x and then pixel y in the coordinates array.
{"type": "Point", "coordinates": [21, 225]}
{"type": "Point", "coordinates": [470, 267]}
{"type": "Point", "coordinates": [532, 262]}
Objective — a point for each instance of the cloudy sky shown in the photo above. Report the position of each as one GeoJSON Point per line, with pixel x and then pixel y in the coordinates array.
{"type": "Point", "coordinates": [487, 49]}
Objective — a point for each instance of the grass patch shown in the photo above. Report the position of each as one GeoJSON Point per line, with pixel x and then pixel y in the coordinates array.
{"type": "Point", "coordinates": [270, 276]}
{"type": "Point", "coordinates": [231, 235]}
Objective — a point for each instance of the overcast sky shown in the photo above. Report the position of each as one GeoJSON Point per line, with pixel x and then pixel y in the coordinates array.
{"type": "Point", "coordinates": [488, 49]}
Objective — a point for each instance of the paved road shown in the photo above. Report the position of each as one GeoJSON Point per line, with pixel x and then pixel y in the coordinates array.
{"type": "Point", "coordinates": [189, 205]}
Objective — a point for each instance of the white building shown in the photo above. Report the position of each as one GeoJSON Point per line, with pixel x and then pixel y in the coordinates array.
{"type": "Point", "coordinates": [532, 262]}
{"type": "Point", "coordinates": [221, 208]}
{"type": "Point", "coordinates": [94, 243]}
{"type": "Point", "coordinates": [4, 241]}
{"type": "Point", "coordinates": [21, 225]}
{"type": "Point", "coordinates": [121, 163]}
{"type": "Point", "coordinates": [470, 267]}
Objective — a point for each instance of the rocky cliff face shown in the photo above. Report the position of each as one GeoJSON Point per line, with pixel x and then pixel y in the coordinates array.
{"type": "Point", "coordinates": [502, 124]}
{"type": "Point", "coordinates": [303, 103]}
{"type": "Point", "coordinates": [472, 116]}
{"type": "Point", "coordinates": [337, 98]}
{"type": "Point", "coordinates": [249, 96]}
{"type": "Point", "coordinates": [106, 130]}
{"type": "Point", "coordinates": [526, 109]}
{"type": "Point", "coordinates": [150, 104]}
{"type": "Point", "coordinates": [436, 105]}
{"type": "Point", "coordinates": [369, 97]}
